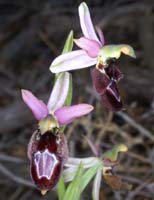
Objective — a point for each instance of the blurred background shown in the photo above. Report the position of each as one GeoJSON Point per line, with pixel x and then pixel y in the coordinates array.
{"type": "Point", "coordinates": [32, 34]}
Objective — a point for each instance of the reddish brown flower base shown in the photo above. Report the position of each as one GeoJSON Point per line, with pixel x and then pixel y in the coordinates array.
{"type": "Point", "coordinates": [106, 86]}
{"type": "Point", "coordinates": [47, 154]}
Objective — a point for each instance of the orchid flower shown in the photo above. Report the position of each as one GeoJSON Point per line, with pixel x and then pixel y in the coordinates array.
{"type": "Point", "coordinates": [62, 114]}
{"type": "Point", "coordinates": [95, 52]}
{"type": "Point", "coordinates": [100, 167]}
{"type": "Point", "coordinates": [47, 150]}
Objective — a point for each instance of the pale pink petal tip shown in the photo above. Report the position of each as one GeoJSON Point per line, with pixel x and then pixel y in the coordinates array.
{"type": "Point", "coordinates": [67, 114]}
{"type": "Point", "coordinates": [92, 47]}
{"type": "Point", "coordinates": [38, 107]}
{"type": "Point", "coordinates": [100, 35]}
{"type": "Point", "coordinates": [86, 23]}
{"type": "Point", "coordinates": [59, 91]}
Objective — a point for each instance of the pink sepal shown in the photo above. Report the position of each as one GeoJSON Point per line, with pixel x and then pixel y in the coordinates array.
{"type": "Point", "coordinates": [38, 107]}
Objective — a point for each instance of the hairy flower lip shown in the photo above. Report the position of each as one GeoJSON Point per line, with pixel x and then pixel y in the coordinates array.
{"type": "Point", "coordinates": [47, 154]}
{"type": "Point", "coordinates": [107, 89]}
{"type": "Point", "coordinates": [100, 81]}
{"type": "Point", "coordinates": [113, 71]}
{"type": "Point", "coordinates": [112, 88]}
{"type": "Point", "coordinates": [109, 101]}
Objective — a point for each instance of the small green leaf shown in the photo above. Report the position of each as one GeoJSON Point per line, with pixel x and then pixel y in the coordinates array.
{"type": "Point", "coordinates": [67, 48]}
{"type": "Point", "coordinates": [61, 188]}
{"type": "Point", "coordinates": [112, 154]}
{"type": "Point", "coordinates": [73, 163]}
{"type": "Point", "coordinates": [69, 173]}
{"type": "Point", "coordinates": [73, 191]}
{"type": "Point", "coordinates": [68, 44]}
{"type": "Point", "coordinates": [89, 174]}
{"type": "Point", "coordinates": [69, 95]}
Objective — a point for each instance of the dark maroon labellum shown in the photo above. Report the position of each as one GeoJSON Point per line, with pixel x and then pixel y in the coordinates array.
{"type": "Point", "coordinates": [100, 81]}
{"type": "Point", "coordinates": [47, 154]}
{"type": "Point", "coordinates": [111, 97]}
{"type": "Point", "coordinates": [113, 72]}
{"type": "Point", "coordinates": [106, 86]}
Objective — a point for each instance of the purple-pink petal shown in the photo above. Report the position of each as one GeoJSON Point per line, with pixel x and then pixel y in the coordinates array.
{"type": "Point", "coordinates": [86, 23]}
{"type": "Point", "coordinates": [38, 107]}
{"type": "Point", "coordinates": [92, 47]}
{"type": "Point", "coordinates": [100, 35]}
{"type": "Point", "coordinates": [67, 114]}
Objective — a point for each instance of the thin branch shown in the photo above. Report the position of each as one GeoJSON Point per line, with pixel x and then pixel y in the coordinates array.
{"type": "Point", "coordinates": [4, 157]}
{"type": "Point", "coordinates": [15, 178]}
{"type": "Point", "coordinates": [137, 126]}
{"type": "Point", "coordinates": [127, 118]}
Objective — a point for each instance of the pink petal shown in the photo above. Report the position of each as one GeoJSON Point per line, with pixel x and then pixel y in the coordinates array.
{"type": "Point", "coordinates": [86, 23]}
{"type": "Point", "coordinates": [67, 114]}
{"type": "Point", "coordinates": [90, 46]}
{"type": "Point", "coordinates": [71, 61]}
{"type": "Point", "coordinates": [37, 106]}
{"type": "Point", "coordinates": [100, 35]}
{"type": "Point", "coordinates": [59, 92]}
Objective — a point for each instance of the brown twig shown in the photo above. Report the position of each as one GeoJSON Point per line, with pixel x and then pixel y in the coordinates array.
{"type": "Point", "coordinates": [137, 126]}
{"type": "Point", "coordinates": [4, 157]}
{"type": "Point", "coordinates": [127, 119]}
{"type": "Point", "coordinates": [14, 177]}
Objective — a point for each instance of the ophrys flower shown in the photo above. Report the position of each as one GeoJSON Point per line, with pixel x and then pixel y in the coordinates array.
{"type": "Point", "coordinates": [47, 149]}
{"type": "Point", "coordinates": [94, 52]}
